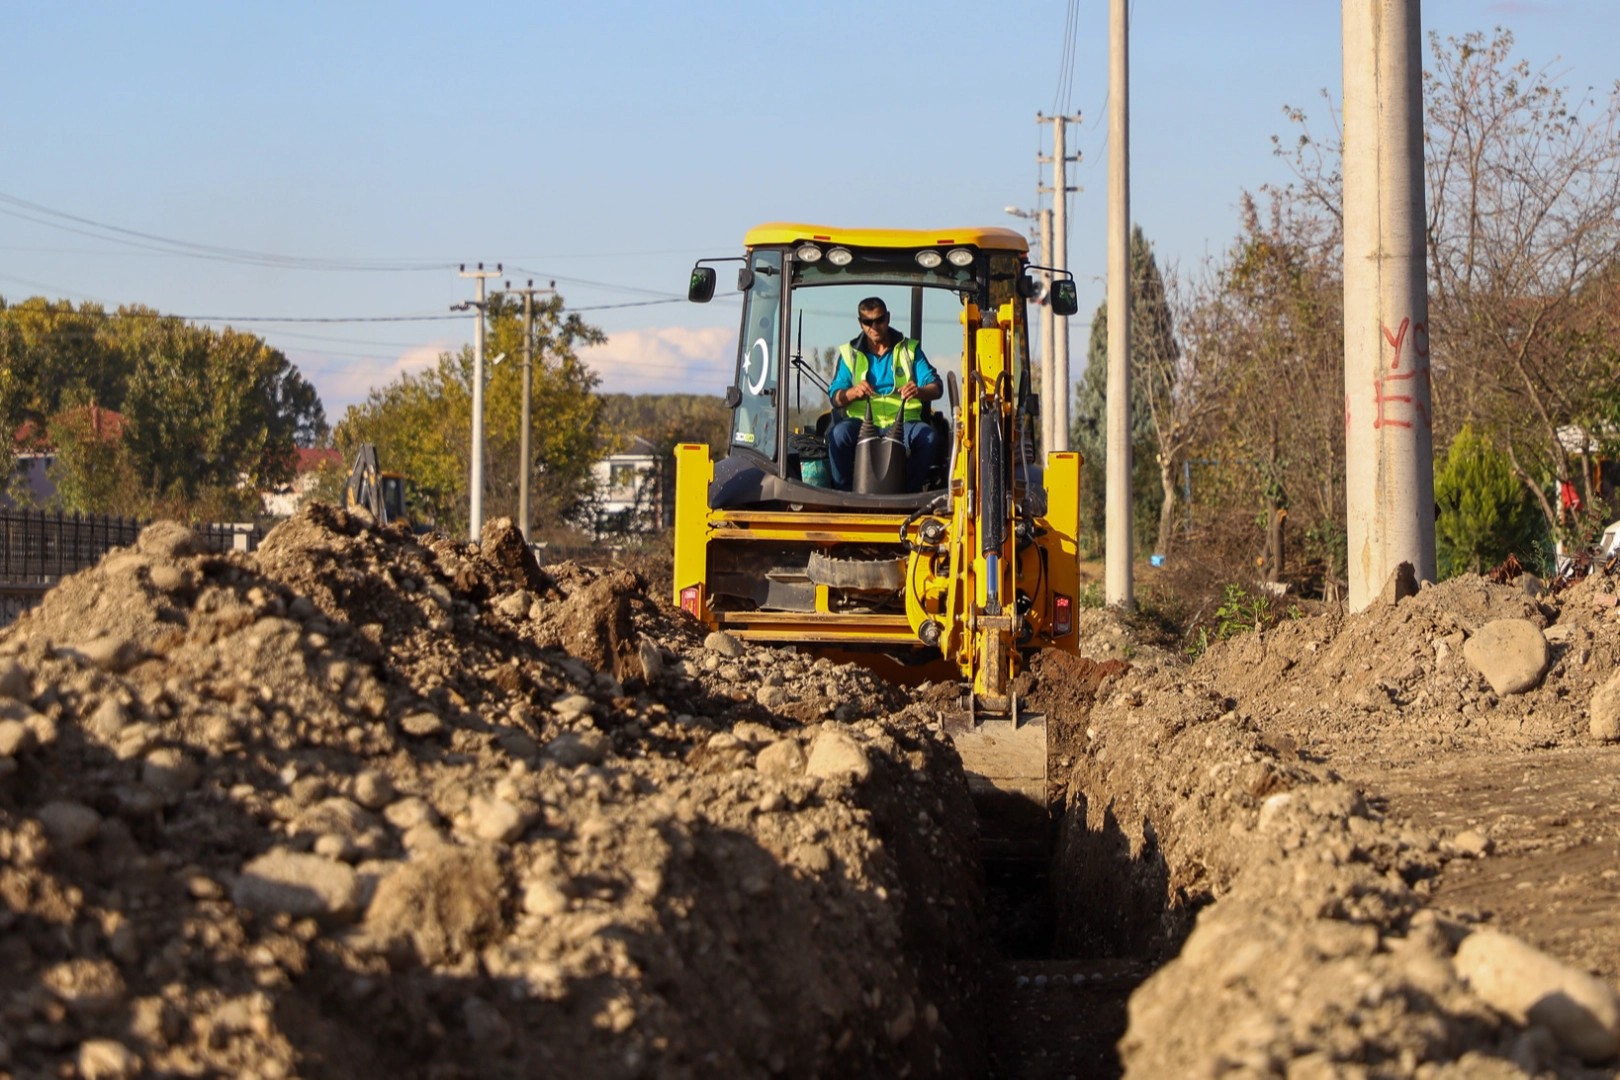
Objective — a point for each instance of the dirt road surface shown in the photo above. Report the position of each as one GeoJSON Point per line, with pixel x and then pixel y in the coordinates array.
{"type": "Point", "coordinates": [358, 804]}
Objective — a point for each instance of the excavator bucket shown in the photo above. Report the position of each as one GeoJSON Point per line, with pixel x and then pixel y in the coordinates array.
{"type": "Point", "coordinates": [1005, 761]}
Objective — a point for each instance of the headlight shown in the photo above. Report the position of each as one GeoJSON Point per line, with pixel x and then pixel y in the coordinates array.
{"type": "Point", "coordinates": [807, 253]}
{"type": "Point", "coordinates": [840, 257]}
{"type": "Point", "coordinates": [960, 257]}
{"type": "Point", "coordinates": [928, 258]}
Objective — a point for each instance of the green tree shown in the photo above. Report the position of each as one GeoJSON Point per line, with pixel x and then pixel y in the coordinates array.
{"type": "Point", "coordinates": [1485, 515]}
{"type": "Point", "coordinates": [211, 413]}
{"type": "Point", "coordinates": [422, 423]}
{"type": "Point", "coordinates": [209, 416]}
{"type": "Point", "coordinates": [52, 355]}
{"type": "Point", "coordinates": [93, 471]}
{"type": "Point", "coordinates": [1161, 405]}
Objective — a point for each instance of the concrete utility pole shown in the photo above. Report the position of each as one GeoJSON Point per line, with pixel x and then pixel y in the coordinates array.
{"type": "Point", "coordinates": [1388, 418]}
{"type": "Point", "coordinates": [1117, 587]}
{"type": "Point", "coordinates": [1049, 380]}
{"type": "Point", "coordinates": [1061, 388]}
{"type": "Point", "coordinates": [1043, 253]}
{"type": "Point", "coordinates": [475, 509]}
{"type": "Point", "coordinates": [524, 454]}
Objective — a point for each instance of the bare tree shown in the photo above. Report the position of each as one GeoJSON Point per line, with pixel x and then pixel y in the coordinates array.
{"type": "Point", "coordinates": [1524, 216]}
{"type": "Point", "coordinates": [1264, 334]}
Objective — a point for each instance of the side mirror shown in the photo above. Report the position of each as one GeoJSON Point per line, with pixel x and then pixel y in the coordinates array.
{"type": "Point", "coordinates": [1065, 299]}
{"type": "Point", "coordinates": [700, 290]}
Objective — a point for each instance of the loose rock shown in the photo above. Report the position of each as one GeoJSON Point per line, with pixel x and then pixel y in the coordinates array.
{"type": "Point", "coordinates": [1512, 654]}
{"type": "Point", "coordinates": [290, 883]}
{"type": "Point", "coordinates": [1582, 1013]}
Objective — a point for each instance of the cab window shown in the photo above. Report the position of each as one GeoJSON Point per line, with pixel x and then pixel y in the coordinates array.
{"type": "Point", "coordinates": [753, 422]}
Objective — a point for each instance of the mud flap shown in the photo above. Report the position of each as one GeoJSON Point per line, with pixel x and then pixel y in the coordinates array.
{"type": "Point", "coordinates": [1005, 761]}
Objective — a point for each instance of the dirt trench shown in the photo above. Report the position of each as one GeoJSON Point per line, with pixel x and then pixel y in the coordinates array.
{"type": "Point", "coordinates": [359, 805]}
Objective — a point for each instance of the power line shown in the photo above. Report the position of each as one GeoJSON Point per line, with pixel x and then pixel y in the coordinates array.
{"type": "Point", "coordinates": [597, 284]}
{"type": "Point", "coordinates": [135, 238]}
{"type": "Point", "coordinates": [1063, 96]}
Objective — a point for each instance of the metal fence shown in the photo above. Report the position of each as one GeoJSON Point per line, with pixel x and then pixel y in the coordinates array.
{"type": "Point", "coordinates": [38, 548]}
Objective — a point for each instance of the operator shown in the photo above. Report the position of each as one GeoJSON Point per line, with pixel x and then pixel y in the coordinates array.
{"type": "Point", "coordinates": [882, 374]}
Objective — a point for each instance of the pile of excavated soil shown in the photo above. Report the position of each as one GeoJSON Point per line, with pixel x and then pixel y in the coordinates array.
{"type": "Point", "coordinates": [358, 804]}
{"type": "Point", "coordinates": [1307, 920]}
{"type": "Point", "coordinates": [363, 804]}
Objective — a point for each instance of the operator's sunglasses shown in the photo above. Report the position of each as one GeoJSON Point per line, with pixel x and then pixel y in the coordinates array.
{"type": "Point", "coordinates": [876, 320]}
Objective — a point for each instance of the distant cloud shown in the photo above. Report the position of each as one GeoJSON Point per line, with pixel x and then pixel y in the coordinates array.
{"type": "Point", "coordinates": [665, 360]}
{"type": "Point", "coordinates": [658, 360]}
{"type": "Point", "coordinates": [345, 383]}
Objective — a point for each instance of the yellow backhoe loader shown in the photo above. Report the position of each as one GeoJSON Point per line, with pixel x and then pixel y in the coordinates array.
{"type": "Point", "coordinates": [968, 576]}
{"type": "Point", "coordinates": [382, 494]}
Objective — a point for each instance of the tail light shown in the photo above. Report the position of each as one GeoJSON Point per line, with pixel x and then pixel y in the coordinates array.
{"type": "Point", "coordinates": [1062, 614]}
{"type": "Point", "coordinates": [692, 601]}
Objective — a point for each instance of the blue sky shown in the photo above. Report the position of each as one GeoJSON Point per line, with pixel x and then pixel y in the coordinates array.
{"type": "Point", "coordinates": [371, 147]}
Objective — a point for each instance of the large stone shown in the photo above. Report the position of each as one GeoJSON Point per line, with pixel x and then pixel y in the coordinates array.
{"type": "Point", "coordinates": [168, 773]}
{"type": "Point", "coordinates": [168, 539]}
{"type": "Point", "coordinates": [296, 884]}
{"type": "Point", "coordinates": [108, 719]}
{"type": "Point", "coordinates": [1521, 981]}
{"type": "Point", "coordinates": [837, 753]}
{"type": "Point", "coordinates": [69, 824]}
{"type": "Point", "coordinates": [785, 757]}
{"type": "Point", "coordinates": [13, 680]}
{"type": "Point", "coordinates": [14, 738]}
{"type": "Point", "coordinates": [495, 819]}
{"type": "Point", "coordinates": [1604, 710]}
{"type": "Point", "coordinates": [372, 789]}
{"type": "Point", "coordinates": [421, 724]}
{"type": "Point", "coordinates": [723, 643]}
{"type": "Point", "coordinates": [1511, 654]}
{"type": "Point", "coordinates": [107, 1059]}
{"type": "Point", "coordinates": [110, 652]}
{"type": "Point", "coordinates": [571, 748]}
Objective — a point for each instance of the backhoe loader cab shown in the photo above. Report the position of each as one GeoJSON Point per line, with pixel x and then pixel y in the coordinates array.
{"type": "Point", "coordinates": [801, 286]}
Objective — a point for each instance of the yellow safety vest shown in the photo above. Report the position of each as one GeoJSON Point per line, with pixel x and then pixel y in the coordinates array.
{"type": "Point", "coordinates": [883, 408]}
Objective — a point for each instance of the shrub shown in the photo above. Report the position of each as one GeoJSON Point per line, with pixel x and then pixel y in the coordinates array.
{"type": "Point", "coordinates": [1483, 512]}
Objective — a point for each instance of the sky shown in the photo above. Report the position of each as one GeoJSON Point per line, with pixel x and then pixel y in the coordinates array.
{"type": "Point", "coordinates": [316, 173]}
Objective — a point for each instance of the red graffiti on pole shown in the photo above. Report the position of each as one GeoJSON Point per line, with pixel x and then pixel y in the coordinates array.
{"type": "Point", "coordinates": [1397, 340]}
{"type": "Point", "coordinates": [1382, 394]}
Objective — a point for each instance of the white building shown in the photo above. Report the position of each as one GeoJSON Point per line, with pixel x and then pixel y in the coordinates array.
{"type": "Point", "coordinates": [285, 500]}
{"type": "Point", "coordinates": [630, 490]}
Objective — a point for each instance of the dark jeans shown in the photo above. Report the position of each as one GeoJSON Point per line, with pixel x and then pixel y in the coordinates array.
{"type": "Point", "coordinates": [921, 440]}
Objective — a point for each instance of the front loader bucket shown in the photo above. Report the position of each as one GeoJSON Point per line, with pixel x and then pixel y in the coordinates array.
{"type": "Point", "coordinates": [1005, 761]}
